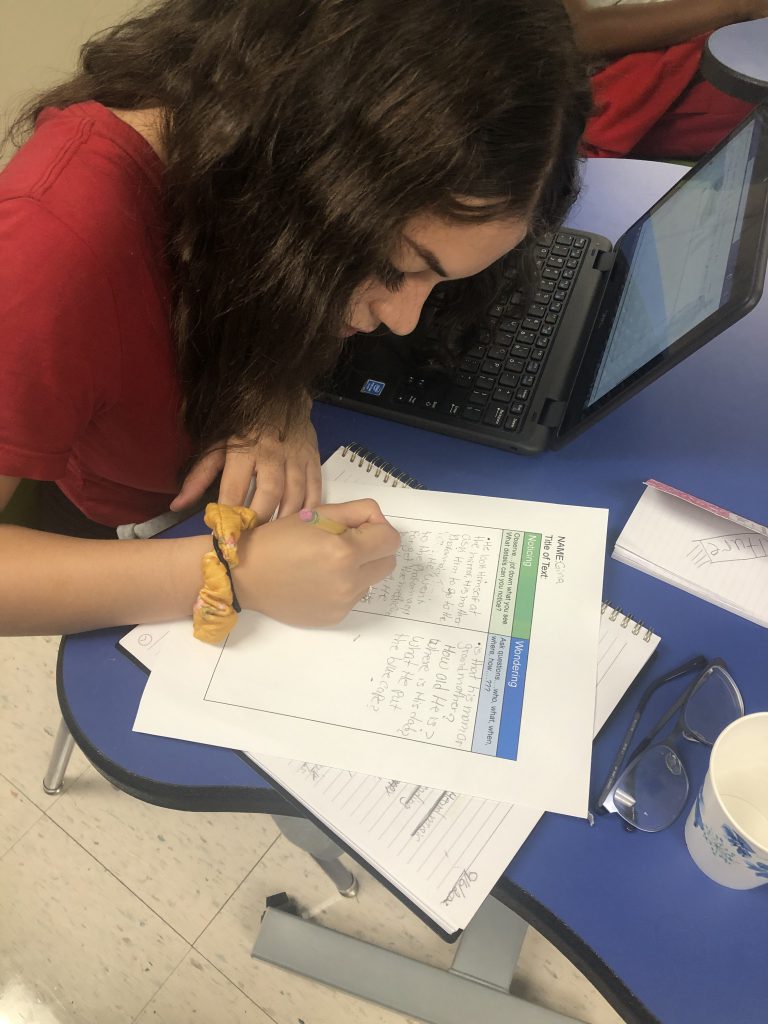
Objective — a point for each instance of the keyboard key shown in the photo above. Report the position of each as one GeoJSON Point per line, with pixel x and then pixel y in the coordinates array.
{"type": "Point", "coordinates": [406, 396]}
{"type": "Point", "coordinates": [428, 401]}
{"type": "Point", "coordinates": [509, 325]}
{"type": "Point", "coordinates": [497, 309]}
{"type": "Point", "coordinates": [531, 323]}
{"type": "Point", "coordinates": [509, 380]}
{"type": "Point", "coordinates": [464, 380]}
{"type": "Point", "coordinates": [536, 354]}
{"type": "Point", "coordinates": [476, 352]}
{"type": "Point", "coordinates": [497, 352]}
{"type": "Point", "coordinates": [522, 394]}
{"type": "Point", "coordinates": [550, 274]}
{"type": "Point", "coordinates": [542, 251]}
{"type": "Point", "coordinates": [541, 343]}
{"type": "Point", "coordinates": [541, 297]}
{"type": "Point", "coordinates": [484, 382]}
{"type": "Point", "coordinates": [567, 275]}
{"type": "Point", "coordinates": [579, 242]}
{"type": "Point", "coordinates": [517, 408]}
{"type": "Point", "coordinates": [571, 264]}
{"type": "Point", "coordinates": [563, 239]}
{"type": "Point", "coordinates": [526, 337]}
{"type": "Point", "coordinates": [503, 338]}
{"type": "Point", "coordinates": [494, 414]}
{"type": "Point", "coordinates": [533, 366]}
{"type": "Point", "coordinates": [546, 331]}
{"type": "Point", "coordinates": [552, 318]}
{"type": "Point", "coordinates": [528, 380]}
{"type": "Point", "coordinates": [555, 307]}
{"type": "Point", "coordinates": [514, 365]}
{"type": "Point", "coordinates": [512, 423]}
{"type": "Point", "coordinates": [502, 395]}
{"type": "Point", "coordinates": [560, 296]}
{"type": "Point", "coordinates": [536, 309]}
{"type": "Point", "coordinates": [453, 403]}
{"type": "Point", "coordinates": [491, 367]}
{"type": "Point", "coordinates": [520, 350]}
{"type": "Point", "coordinates": [546, 286]}
{"type": "Point", "coordinates": [560, 250]}
{"type": "Point", "coordinates": [473, 413]}
{"type": "Point", "coordinates": [470, 364]}
{"type": "Point", "coordinates": [478, 397]}
{"type": "Point", "coordinates": [555, 261]}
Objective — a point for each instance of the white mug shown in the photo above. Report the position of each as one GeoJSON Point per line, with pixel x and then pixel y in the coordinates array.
{"type": "Point", "coordinates": [727, 829]}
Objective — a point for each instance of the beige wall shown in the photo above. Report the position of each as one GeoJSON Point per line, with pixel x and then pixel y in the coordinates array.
{"type": "Point", "coordinates": [39, 40]}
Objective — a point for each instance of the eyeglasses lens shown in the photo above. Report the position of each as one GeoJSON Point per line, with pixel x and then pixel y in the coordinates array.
{"type": "Point", "coordinates": [715, 703]}
{"type": "Point", "coordinates": [652, 791]}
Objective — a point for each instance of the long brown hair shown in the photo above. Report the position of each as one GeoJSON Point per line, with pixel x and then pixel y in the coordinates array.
{"type": "Point", "coordinates": [300, 136]}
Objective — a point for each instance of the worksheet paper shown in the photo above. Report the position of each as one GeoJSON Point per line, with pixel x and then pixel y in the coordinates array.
{"type": "Point", "coordinates": [471, 668]}
{"type": "Point", "coordinates": [699, 547]}
{"type": "Point", "coordinates": [443, 850]}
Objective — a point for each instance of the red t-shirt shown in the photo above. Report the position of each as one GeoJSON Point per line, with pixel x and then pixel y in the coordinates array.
{"type": "Point", "coordinates": [88, 387]}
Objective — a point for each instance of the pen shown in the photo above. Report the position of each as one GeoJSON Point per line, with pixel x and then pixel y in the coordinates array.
{"type": "Point", "coordinates": [313, 518]}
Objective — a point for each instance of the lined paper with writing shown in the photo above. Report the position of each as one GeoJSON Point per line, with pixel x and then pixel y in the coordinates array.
{"type": "Point", "coordinates": [700, 548]}
{"type": "Point", "coordinates": [445, 851]}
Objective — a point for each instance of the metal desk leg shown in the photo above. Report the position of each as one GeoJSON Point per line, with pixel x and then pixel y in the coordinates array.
{"type": "Point", "coordinates": [323, 851]}
{"type": "Point", "coordinates": [63, 746]}
{"type": "Point", "coordinates": [475, 989]}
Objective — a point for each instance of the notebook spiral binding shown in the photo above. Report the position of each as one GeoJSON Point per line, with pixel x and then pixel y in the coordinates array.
{"type": "Point", "coordinates": [627, 621]}
{"type": "Point", "coordinates": [375, 464]}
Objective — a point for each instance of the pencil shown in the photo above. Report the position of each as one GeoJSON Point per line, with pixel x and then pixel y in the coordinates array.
{"type": "Point", "coordinates": [313, 518]}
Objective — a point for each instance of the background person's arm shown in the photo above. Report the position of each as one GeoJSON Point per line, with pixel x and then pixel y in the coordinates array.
{"type": "Point", "coordinates": [629, 28]}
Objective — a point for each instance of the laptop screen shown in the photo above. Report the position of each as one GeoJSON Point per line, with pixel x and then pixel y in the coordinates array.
{"type": "Point", "coordinates": [682, 274]}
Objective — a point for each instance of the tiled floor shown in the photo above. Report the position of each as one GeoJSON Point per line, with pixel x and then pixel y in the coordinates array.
{"type": "Point", "coordinates": [114, 911]}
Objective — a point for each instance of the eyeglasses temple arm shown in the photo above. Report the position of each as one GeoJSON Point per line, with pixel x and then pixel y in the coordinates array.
{"type": "Point", "coordinates": [670, 713]}
{"type": "Point", "coordinates": [690, 666]}
{"type": "Point", "coordinates": [617, 761]}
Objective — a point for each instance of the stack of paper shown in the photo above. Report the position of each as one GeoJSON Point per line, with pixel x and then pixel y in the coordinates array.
{"type": "Point", "coordinates": [443, 851]}
{"type": "Point", "coordinates": [420, 731]}
{"type": "Point", "coordinates": [699, 547]}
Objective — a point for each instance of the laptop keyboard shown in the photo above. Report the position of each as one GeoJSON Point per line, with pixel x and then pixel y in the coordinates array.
{"type": "Point", "coordinates": [498, 374]}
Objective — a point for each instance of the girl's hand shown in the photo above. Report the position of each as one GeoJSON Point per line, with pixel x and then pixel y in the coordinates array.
{"type": "Point", "coordinates": [287, 473]}
{"type": "Point", "coordinates": [299, 574]}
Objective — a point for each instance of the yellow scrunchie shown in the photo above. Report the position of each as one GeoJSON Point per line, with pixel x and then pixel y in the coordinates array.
{"type": "Point", "coordinates": [213, 616]}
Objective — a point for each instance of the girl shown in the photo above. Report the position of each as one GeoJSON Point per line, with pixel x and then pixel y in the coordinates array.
{"type": "Point", "coordinates": [223, 192]}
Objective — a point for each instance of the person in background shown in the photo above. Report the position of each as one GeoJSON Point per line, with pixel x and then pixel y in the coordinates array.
{"type": "Point", "coordinates": [650, 99]}
{"type": "Point", "coordinates": [194, 223]}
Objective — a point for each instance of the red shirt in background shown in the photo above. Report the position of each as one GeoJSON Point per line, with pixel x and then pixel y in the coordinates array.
{"type": "Point", "coordinates": [88, 389]}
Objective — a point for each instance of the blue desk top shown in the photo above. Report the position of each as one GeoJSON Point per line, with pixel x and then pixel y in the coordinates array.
{"type": "Point", "coordinates": [631, 910]}
{"type": "Point", "coordinates": [735, 60]}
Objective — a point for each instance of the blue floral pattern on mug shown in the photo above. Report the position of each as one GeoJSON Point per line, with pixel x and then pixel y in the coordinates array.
{"type": "Point", "coordinates": [698, 821]}
{"type": "Point", "coordinates": [741, 844]}
{"type": "Point", "coordinates": [726, 849]}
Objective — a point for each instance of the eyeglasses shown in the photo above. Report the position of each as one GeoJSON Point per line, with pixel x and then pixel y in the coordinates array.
{"type": "Point", "coordinates": [652, 790]}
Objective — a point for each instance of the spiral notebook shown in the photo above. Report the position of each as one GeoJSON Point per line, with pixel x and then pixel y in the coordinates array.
{"type": "Point", "coordinates": [440, 851]}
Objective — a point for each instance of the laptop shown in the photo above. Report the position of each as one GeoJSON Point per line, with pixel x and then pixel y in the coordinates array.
{"type": "Point", "coordinates": [600, 324]}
